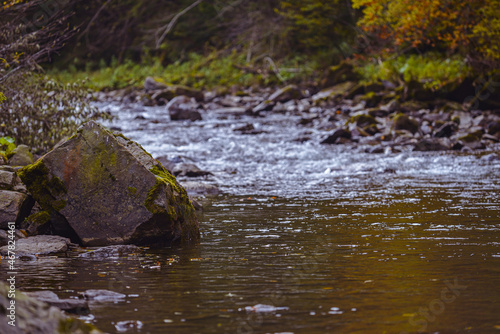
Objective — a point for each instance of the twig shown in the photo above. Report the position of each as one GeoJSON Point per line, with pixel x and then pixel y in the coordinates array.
{"type": "Point", "coordinates": [275, 68]}
{"type": "Point", "coordinates": [172, 23]}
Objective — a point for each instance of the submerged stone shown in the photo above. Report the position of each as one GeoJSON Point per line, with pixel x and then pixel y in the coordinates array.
{"type": "Point", "coordinates": [100, 189]}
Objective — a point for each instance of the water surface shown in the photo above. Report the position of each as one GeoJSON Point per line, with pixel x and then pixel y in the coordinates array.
{"type": "Point", "coordinates": [329, 238]}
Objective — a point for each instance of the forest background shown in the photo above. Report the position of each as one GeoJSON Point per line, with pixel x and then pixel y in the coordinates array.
{"type": "Point", "coordinates": [230, 44]}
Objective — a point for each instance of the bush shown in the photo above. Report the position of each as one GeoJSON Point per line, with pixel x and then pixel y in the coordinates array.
{"type": "Point", "coordinates": [432, 69]}
{"type": "Point", "coordinates": [39, 112]}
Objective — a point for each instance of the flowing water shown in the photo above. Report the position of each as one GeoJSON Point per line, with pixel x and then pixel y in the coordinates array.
{"type": "Point", "coordinates": [306, 238]}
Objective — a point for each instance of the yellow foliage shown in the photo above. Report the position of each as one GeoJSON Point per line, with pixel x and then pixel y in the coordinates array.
{"type": "Point", "coordinates": [470, 26]}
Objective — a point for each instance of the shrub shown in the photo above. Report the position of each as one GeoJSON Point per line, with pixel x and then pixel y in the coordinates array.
{"type": "Point", "coordinates": [39, 112]}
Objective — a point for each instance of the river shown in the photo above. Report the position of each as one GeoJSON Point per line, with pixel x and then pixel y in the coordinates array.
{"type": "Point", "coordinates": [306, 238]}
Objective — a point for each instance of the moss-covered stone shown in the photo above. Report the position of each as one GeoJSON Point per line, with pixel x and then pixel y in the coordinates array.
{"type": "Point", "coordinates": [404, 122]}
{"type": "Point", "coordinates": [100, 188]}
{"type": "Point", "coordinates": [472, 137]}
{"type": "Point", "coordinates": [363, 120]}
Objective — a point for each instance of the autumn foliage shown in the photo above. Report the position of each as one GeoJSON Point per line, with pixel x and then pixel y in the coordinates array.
{"type": "Point", "coordinates": [470, 27]}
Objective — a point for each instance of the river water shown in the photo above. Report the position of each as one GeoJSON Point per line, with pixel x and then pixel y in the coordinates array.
{"type": "Point", "coordinates": [306, 238]}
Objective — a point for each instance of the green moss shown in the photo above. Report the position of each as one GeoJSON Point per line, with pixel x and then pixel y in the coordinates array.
{"type": "Point", "coordinates": [39, 218]}
{"type": "Point", "coordinates": [131, 191]}
{"type": "Point", "coordinates": [179, 202]}
{"type": "Point", "coordinates": [363, 120]}
{"type": "Point", "coordinates": [152, 195]}
{"type": "Point", "coordinates": [472, 137]}
{"type": "Point", "coordinates": [404, 122]}
{"type": "Point", "coordinates": [42, 187]}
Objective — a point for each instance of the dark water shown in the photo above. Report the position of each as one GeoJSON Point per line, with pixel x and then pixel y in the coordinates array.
{"type": "Point", "coordinates": [329, 239]}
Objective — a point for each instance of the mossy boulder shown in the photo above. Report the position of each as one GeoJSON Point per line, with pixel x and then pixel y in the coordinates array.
{"type": "Point", "coordinates": [100, 188]}
{"type": "Point", "coordinates": [36, 317]}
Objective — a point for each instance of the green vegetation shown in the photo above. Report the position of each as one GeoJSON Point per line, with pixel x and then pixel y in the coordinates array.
{"type": "Point", "coordinates": [44, 189]}
{"type": "Point", "coordinates": [7, 147]}
{"type": "Point", "coordinates": [215, 70]}
{"type": "Point", "coordinates": [433, 70]}
{"type": "Point", "coordinates": [217, 44]}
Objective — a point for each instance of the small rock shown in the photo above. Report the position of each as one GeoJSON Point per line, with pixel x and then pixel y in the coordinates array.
{"type": "Point", "coordinates": [39, 245]}
{"type": "Point", "coordinates": [152, 84]}
{"type": "Point", "coordinates": [36, 317]}
{"type": "Point", "coordinates": [262, 308]}
{"type": "Point", "coordinates": [14, 207]}
{"type": "Point", "coordinates": [489, 158]}
{"type": "Point", "coordinates": [189, 170]}
{"type": "Point", "coordinates": [404, 122]}
{"type": "Point", "coordinates": [446, 130]}
{"type": "Point", "coordinates": [7, 179]}
{"type": "Point", "coordinates": [290, 92]}
{"type": "Point", "coordinates": [103, 295]}
{"type": "Point", "coordinates": [75, 306]}
{"type": "Point", "coordinates": [338, 134]}
{"type": "Point", "coordinates": [127, 325]}
{"type": "Point", "coordinates": [22, 156]}
{"type": "Point", "coordinates": [430, 145]}
{"type": "Point", "coordinates": [183, 108]}
{"type": "Point", "coordinates": [111, 251]}
{"type": "Point", "coordinates": [200, 189]}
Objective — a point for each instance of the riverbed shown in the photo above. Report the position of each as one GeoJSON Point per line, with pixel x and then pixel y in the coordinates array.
{"type": "Point", "coordinates": [305, 238]}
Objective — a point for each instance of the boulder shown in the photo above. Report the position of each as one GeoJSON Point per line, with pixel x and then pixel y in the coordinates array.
{"type": "Point", "coordinates": [22, 156]}
{"type": "Point", "coordinates": [36, 317]}
{"type": "Point", "coordinates": [39, 245]}
{"type": "Point", "coordinates": [14, 207]}
{"type": "Point", "coordinates": [100, 188]}
{"type": "Point", "coordinates": [183, 108]}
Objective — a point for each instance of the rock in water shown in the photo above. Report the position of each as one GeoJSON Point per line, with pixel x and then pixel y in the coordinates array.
{"type": "Point", "coordinates": [100, 189]}
{"type": "Point", "coordinates": [36, 317]}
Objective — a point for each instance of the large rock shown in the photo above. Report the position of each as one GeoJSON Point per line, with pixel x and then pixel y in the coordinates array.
{"type": "Point", "coordinates": [100, 189]}
{"type": "Point", "coordinates": [36, 317]}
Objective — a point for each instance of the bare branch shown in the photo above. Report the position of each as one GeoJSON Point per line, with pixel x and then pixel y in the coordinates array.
{"type": "Point", "coordinates": [172, 23]}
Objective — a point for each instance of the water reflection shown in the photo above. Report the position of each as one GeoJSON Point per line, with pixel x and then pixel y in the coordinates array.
{"type": "Point", "coordinates": [325, 266]}
{"type": "Point", "coordinates": [324, 239]}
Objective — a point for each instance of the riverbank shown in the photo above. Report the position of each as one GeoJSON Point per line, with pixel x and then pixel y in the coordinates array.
{"type": "Point", "coordinates": [380, 117]}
